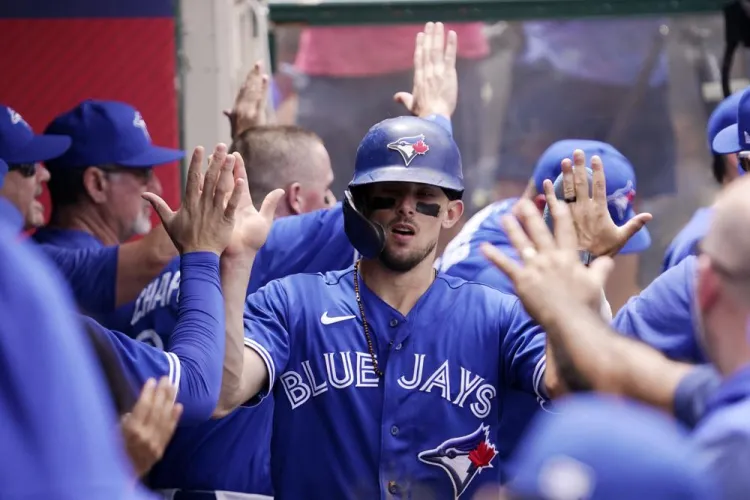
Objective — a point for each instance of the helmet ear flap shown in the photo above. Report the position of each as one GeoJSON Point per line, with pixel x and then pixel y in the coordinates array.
{"type": "Point", "coordinates": [367, 237]}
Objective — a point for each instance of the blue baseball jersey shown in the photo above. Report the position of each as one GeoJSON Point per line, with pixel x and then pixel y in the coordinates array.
{"type": "Point", "coordinates": [686, 241]}
{"type": "Point", "coordinates": [464, 259]}
{"type": "Point", "coordinates": [59, 439]}
{"type": "Point", "coordinates": [89, 267]}
{"type": "Point", "coordinates": [663, 315]}
{"type": "Point", "coordinates": [314, 242]}
{"type": "Point", "coordinates": [429, 428]}
{"type": "Point", "coordinates": [722, 437]}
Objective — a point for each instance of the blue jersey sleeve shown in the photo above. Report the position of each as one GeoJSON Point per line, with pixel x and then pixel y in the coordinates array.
{"type": "Point", "coordinates": [662, 315]}
{"type": "Point", "coordinates": [686, 241]}
{"type": "Point", "coordinates": [91, 273]}
{"type": "Point", "coordinates": [195, 350]}
{"type": "Point", "coordinates": [309, 243]}
{"type": "Point", "coordinates": [57, 419]}
{"type": "Point", "coordinates": [523, 350]}
{"type": "Point", "coordinates": [267, 329]}
{"type": "Point", "coordinates": [693, 392]}
{"type": "Point", "coordinates": [494, 277]}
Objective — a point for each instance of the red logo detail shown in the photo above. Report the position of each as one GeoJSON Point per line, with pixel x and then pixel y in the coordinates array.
{"type": "Point", "coordinates": [482, 455]}
{"type": "Point", "coordinates": [421, 147]}
{"type": "Point", "coordinates": [630, 195]}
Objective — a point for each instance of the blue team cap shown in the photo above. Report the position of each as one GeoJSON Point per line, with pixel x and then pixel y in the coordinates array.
{"type": "Point", "coordinates": [723, 116]}
{"type": "Point", "coordinates": [603, 448]}
{"type": "Point", "coordinates": [19, 144]}
{"type": "Point", "coordinates": [621, 182]}
{"type": "Point", "coordinates": [3, 171]}
{"type": "Point", "coordinates": [736, 137]}
{"type": "Point", "coordinates": [108, 132]}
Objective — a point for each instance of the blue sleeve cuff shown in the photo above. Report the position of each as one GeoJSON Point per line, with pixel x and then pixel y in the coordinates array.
{"type": "Point", "coordinates": [203, 262]}
{"type": "Point", "coordinates": [442, 121]}
{"type": "Point", "coordinates": [692, 393]}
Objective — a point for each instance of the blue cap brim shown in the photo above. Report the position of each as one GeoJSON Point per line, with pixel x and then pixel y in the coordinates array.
{"type": "Point", "coordinates": [40, 148]}
{"type": "Point", "coordinates": [154, 155]}
{"type": "Point", "coordinates": [640, 241]}
{"type": "Point", "coordinates": [727, 141]}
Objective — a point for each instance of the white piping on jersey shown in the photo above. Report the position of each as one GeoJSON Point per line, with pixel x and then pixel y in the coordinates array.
{"type": "Point", "coordinates": [267, 359]}
{"type": "Point", "coordinates": [175, 369]}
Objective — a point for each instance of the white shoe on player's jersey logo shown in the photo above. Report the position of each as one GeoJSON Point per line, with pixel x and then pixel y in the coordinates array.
{"type": "Point", "coordinates": [329, 320]}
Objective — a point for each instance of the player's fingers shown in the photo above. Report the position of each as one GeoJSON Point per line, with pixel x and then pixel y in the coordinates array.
{"type": "Point", "coordinates": [145, 400]}
{"type": "Point", "coordinates": [160, 207]}
{"type": "Point", "coordinates": [429, 40]}
{"type": "Point", "coordinates": [569, 187]}
{"type": "Point", "coordinates": [451, 48]}
{"type": "Point", "coordinates": [225, 183]}
{"type": "Point", "coordinates": [194, 182]}
{"type": "Point", "coordinates": [534, 225]}
{"type": "Point", "coordinates": [517, 236]}
{"type": "Point", "coordinates": [215, 164]}
{"type": "Point", "coordinates": [161, 398]}
{"type": "Point", "coordinates": [234, 201]}
{"type": "Point", "coordinates": [404, 98]}
{"type": "Point", "coordinates": [565, 231]}
{"type": "Point", "coordinates": [634, 225]}
{"type": "Point", "coordinates": [501, 261]}
{"type": "Point", "coordinates": [438, 49]}
{"type": "Point", "coordinates": [260, 106]}
{"type": "Point", "coordinates": [419, 61]}
{"type": "Point", "coordinates": [580, 176]}
{"type": "Point", "coordinates": [271, 201]}
{"type": "Point", "coordinates": [600, 269]}
{"type": "Point", "coordinates": [599, 181]}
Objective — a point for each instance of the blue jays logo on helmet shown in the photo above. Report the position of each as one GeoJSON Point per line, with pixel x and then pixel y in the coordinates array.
{"type": "Point", "coordinates": [622, 198]}
{"type": "Point", "coordinates": [462, 458]}
{"type": "Point", "coordinates": [410, 147]}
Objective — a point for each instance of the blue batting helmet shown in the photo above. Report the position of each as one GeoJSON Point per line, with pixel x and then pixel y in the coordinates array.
{"type": "Point", "coordinates": [404, 149]}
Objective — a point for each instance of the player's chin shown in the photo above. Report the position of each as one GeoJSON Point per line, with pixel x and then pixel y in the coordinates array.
{"type": "Point", "coordinates": [35, 215]}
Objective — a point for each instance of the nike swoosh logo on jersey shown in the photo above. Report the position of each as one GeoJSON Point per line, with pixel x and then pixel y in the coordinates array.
{"type": "Point", "coordinates": [328, 320]}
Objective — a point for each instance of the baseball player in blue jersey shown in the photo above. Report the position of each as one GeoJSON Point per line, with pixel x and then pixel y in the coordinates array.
{"type": "Point", "coordinates": [100, 277]}
{"type": "Point", "coordinates": [58, 439]}
{"type": "Point", "coordinates": [375, 371]}
{"type": "Point", "coordinates": [597, 359]}
{"type": "Point", "coordinates": [724, 170]}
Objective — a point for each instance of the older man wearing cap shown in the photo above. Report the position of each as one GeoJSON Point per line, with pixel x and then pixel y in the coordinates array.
{"type": "Point", "coordinates": [724, 168]}
{"type": "Point", "coordinates": [101, 277]}
{"type": "Point", "coordinates": [24, 151]}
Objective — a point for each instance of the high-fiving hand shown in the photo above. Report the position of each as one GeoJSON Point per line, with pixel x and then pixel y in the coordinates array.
{"type": "Point", "coordinates": [596, 230]}
{"type": "Point", "coordinates": [435, 89]}
{"type": "Point", "coordinates": [551, 274]}
{"type": "Point", "coordinates": [251, 103]}
{"type": "Point", "coordinates": [205, 221]}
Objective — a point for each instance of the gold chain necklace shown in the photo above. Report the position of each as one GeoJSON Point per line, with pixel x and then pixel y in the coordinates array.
{"type": "Point", "coordinates": [370, 348]}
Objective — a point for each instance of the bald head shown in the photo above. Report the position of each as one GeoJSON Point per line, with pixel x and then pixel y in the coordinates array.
{"type": "Point", "coordinates": [288, 157]}
{"type": "Point", "coordinates": [728, 237]}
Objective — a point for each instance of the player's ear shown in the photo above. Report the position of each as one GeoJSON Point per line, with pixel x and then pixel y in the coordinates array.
{"type": "Point", "coordinates": [94, 182]}
{"type": "Point", "coordinates": [293, 198]}
{"type": "Point", "coordinates": [453, 213]}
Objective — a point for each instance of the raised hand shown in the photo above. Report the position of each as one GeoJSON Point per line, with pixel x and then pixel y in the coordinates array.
{"type": "Point", "coordinates": [552, 272]}
{"type": "Point", "coordinates": [596, 230]}
{"type": "Point", "coordinates": [435, 89]}
{"type": "Point", "coordinates": [250, 104]}
{"type": "Point", "coordinates": [251, 225]}
{"type": "Point", "coordinates": [205, 221]}
{"type": "Point", "coordinates": [149, 427]}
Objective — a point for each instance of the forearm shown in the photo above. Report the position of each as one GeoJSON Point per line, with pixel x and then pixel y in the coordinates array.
{"type": "Point", "coordinates": [235, 276]}
{"type": "Point", "coordinates": [198, 336]}
{"type": "Point", "coordinates": [141, 261]}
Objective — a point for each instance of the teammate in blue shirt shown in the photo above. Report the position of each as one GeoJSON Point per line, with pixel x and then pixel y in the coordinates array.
{"type": "Point", "coordinates": [600, 360]}
{"type": "Point", "coordinates": [373, 371]}
{"type": "Point", "coordinates": [57, 419]}
{"type": "Point", "coordinates": [724, 169]}
{"type": "Point", "coordinates": [120, 272]}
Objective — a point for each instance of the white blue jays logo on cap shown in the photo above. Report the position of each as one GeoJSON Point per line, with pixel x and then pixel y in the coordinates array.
{"type": "Point", "coordinates": [622, 198]}
{"type": "Point", "coordinates": [140, 123]}
{"type": "Point", "coordinates": [410, 147]}
{"type": "Point", "coordinates": [16, 118]}
{"type": "Point", "coordinates": [463, 457]}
